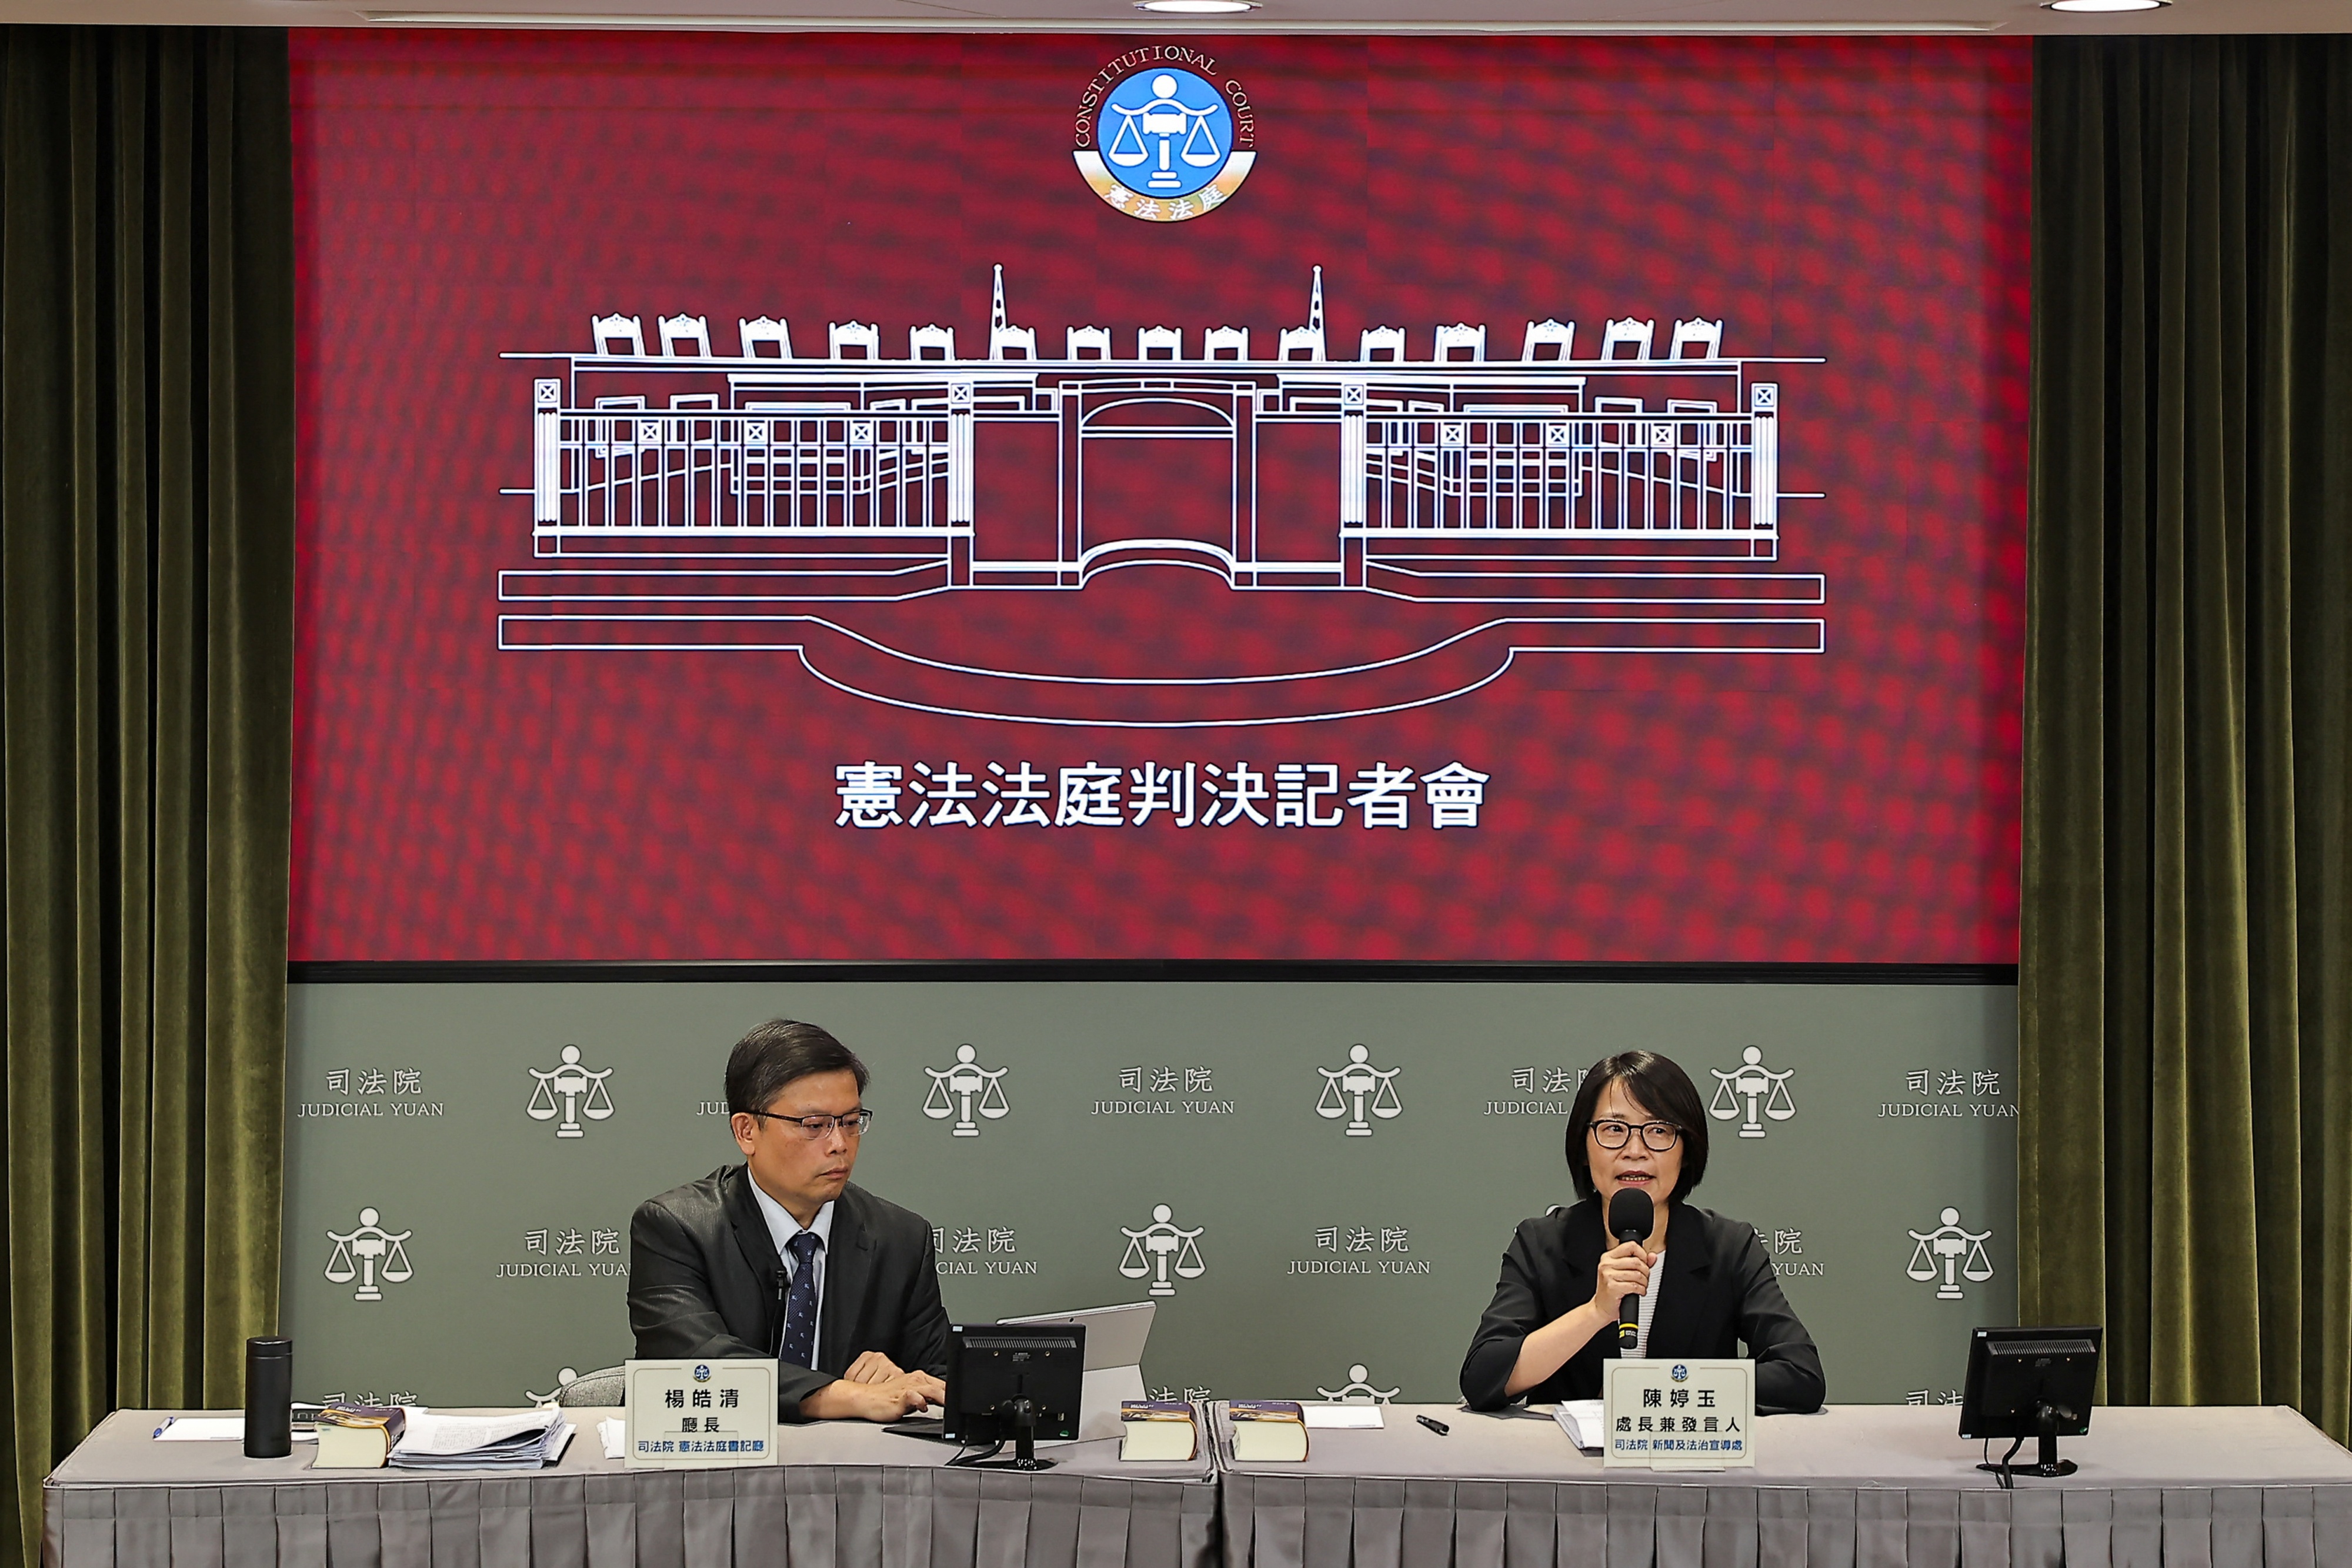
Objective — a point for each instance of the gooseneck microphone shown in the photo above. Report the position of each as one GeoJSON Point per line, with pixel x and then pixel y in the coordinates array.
{"type": "Point", "coordinates": [1631, 1214]}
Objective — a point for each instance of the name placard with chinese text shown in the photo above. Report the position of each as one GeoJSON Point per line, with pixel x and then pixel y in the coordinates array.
{"type": "Point", "coordinates": [1679, 1415]}
{"type": "Point", "coordinates": [700, 1414]}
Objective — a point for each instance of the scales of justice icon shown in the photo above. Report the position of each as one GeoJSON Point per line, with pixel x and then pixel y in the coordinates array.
{"type": "Point", "coordinates": [1950, 1242]}
{"type": "Point", "coordinates": [1755, 1088]}
{"type": "Point", "coordinates": [1358, 1389]}
{"type": "Point", "coordinates": [581, 1090]}
{"type": "Point", "coordinates": [367, 1254]}
{"type": "Point", "coordinates": [1160, 1248]}
{"type": "Point", "coordinates": [1357, 1089]}
{"type": "Point", "coordinates": [1173, 125]}
{"type": "Point", "coordinates": [964, 1090]}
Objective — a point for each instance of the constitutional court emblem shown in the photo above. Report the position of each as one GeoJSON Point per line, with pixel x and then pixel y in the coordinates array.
{"type": "Point", "coordinates": [1952, 1251]}
{"type": "Point", "coordinates": [1162, 142]}
{"type": "Point", "coordinates": [1358, 1389]}
{"type": "Point", "coordinates": [1751, 1091]}
{"type": "Point", "coordinates": [1161, 1248]}
{"type": "Point", "coordinates": [369, 1254]}
{"type": "Point", "coordinates": [965, 1091]}
{"type": "Point", "coordinates": [582, 1092]}
{"type": "Point", "coordinates": [1358, 1090]}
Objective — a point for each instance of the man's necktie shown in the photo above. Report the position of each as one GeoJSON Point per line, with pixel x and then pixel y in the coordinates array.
{"type": "Point", "coordinates": [799, 1347]}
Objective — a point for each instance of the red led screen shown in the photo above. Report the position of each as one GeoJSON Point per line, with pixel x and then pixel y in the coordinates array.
{"type": "Point", "coordinates": [923, 497]}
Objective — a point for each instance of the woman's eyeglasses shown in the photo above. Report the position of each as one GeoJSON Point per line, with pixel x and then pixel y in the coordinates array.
{"type": "Point", "coordinates": [1657, 1136]}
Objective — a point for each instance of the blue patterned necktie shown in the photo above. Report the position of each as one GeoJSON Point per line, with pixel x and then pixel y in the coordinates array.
{"type": "Point", "coordinates": [799, 1348]}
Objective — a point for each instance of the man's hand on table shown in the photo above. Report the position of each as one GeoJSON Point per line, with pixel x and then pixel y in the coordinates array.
{"type": "Point", "coordinates": [874, 1389]}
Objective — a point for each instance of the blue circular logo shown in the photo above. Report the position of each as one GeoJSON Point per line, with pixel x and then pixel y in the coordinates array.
{"type": "Point", "coordinates": [1166, 132]}
{"type": "Point", "coordinates": [1682, 1373]}
{"type": "Point", "coordinates": [702, 1374]}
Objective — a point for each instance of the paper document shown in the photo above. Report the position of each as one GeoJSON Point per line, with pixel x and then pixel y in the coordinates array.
{"type": "Point", "coordinates": [1581, 1420]}
{"type": "Point", "coordinates": [1342, 1417]}
{"type": "Point", "coordinates": [215, 1429]}
{"type": "Point", "coordinates": [429, 1434]}
{"type": "Point", "coordinates": [613, 1433]}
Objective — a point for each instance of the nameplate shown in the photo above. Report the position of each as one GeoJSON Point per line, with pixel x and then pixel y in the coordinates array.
{"type": "Point", "coordinates": [1678, 1414]}
{"type": "Point", "coordinates": [700, 1414]}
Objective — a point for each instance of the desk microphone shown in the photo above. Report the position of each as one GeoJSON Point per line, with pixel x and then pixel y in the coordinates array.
{"type": "Point", "coordinates": [1630, 1216]}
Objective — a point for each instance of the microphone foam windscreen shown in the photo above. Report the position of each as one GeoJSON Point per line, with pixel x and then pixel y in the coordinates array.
{"type": "Point", "coordinates": [1630, 1212]}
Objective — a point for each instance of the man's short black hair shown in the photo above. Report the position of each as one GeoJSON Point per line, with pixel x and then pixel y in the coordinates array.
{"type": "Point", "coordinates": [776, 1053]}
{"type": "Point", "coordinates": [1658, 1087]}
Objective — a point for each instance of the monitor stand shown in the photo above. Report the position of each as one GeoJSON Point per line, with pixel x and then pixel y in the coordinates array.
{"type": "Point", "coordinates": [2047, 1463]}
{"type": "Point", "coordinates": [1024, 1416]}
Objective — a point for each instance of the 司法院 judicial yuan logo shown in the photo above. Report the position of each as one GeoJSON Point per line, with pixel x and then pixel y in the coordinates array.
{"type": "Point", "coordinates": [1160, 1249]}
{"type": "Point", "coordinates": [966, 1090]}
{"type": "Point", "coordinates": [1163, 135]}
{"type": "Point", "coordinates": [570, 1091]}
{"type": "Point", "coordinates": [1358, 1091]}
{"type": "Point", "coordinates": [1950, 1254]}
{"type": "Point", "coordinates": [1751, 1093]}
{"type": "Point", "coordinates": [370, 1255]}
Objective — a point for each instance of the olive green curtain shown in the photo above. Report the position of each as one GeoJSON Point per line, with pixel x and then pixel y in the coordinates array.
{"type": "Point", "coordinates": [146, 652]}
{"type": "Point", "coordinates": [2185, 1161]}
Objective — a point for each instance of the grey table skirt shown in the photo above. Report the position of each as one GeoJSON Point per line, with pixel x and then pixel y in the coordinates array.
{"type": "Point", "coordinates": [1854, 1487]}
{"type": "Point", "coordinates": [118, 1503]}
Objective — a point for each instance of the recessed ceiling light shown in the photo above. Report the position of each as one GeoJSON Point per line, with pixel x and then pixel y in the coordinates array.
{"type": "Point", "coordinates": [1196, 8]}
{"type": "Point", "coordinates": [2104, 4]}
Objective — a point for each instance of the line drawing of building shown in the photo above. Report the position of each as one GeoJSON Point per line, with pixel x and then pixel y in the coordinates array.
{"type": "Point", "coordinates": [1632, 491]}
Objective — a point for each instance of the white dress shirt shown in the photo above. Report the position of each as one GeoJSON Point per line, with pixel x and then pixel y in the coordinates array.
{"type": "Point", "coordinates": [782, 1228]}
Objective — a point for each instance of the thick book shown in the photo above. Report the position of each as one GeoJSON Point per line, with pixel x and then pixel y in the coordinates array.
{"type": "Point", "coordinates": [358, 1436]}
{"type": "Point", "coordinates": [1267, 1431]}
{"type": "Point", "coordinates": [1157, 1431]}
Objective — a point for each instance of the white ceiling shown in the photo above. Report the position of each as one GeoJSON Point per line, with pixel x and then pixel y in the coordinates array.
{"type": "Point", "coordinates": [1459, 17]}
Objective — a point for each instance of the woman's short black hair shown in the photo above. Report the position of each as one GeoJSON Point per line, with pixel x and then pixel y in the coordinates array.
{"type": "Point", "coordinates": [776, 1053]}
{"type": "Point", "coordinates": [1658, 1087]}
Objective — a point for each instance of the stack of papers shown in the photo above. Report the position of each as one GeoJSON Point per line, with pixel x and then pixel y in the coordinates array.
{"type": "Point", "coordinates": [1581, 1420]}
{"type": "Point", "coordinates": [524, 1440]}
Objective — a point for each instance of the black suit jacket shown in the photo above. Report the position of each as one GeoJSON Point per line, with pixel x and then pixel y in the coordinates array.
{"type": "Point", "coordinates": [705, 1281]}
{"type": "Point", "coordinates": [1718, 1291]}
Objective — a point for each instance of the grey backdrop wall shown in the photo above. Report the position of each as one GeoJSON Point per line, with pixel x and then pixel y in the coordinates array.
{"type": "Point", "coordinates": [464, 1159]}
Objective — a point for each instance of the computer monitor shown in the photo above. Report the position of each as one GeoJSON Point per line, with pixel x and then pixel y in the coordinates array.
{"type": "Point", "coordinates": [1005, 1380]}
{"type": "Point", "coordinates": [2030, 1383]}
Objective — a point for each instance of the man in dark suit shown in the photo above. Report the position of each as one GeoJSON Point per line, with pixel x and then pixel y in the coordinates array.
{"type": "Point", "coordinates": [781, 1256]}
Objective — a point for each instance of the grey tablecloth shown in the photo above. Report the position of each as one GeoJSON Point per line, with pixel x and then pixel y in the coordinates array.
{"type": "Point", "coordinates": [844, 1495]}
{"type": "Point", "coordinates": [1862, 1487]}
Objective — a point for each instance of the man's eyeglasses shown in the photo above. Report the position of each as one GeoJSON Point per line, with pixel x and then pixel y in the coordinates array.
{"type": "Point", "coordinates": [813, 1128]}
{"type": "Point", "coordinates": [1657, 1136]}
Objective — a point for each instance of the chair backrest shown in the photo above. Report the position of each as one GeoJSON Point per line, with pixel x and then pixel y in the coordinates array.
{"type": "Point", "coordinates": [1378, 340]}
{"type": "Point", "coordinates": [1087, 343]}
{"type": "Point", "coordinates": [605, 1388]}
{"type": "Point", "coordinates": [840, 335]}
{"type": "Point", "coordinates": [762, 330]}
{"type": "Point", "coordinates": [1462, 335]}
{"type": "Point", "coordinates": [1559, 336]}
{"type": "Point", "coordinates": [1003, 341]}
{"type": "Point", "coordinates": [1697, 333]}
{"type": "Point", "coordinates": [921, 340]}
{"type": "Point", "coordinates": [618, 335]}
{"type": "Point", "coordinates": [1628, 330]}
{"type": "Point", "coordinates": [1222, 338]}
{"type": "Point", "coordinates": [690, 329]}
{"type": "Point", "coordinates": [1159, 342]}
{"type": "Point", "coordinates": [1297, 338]}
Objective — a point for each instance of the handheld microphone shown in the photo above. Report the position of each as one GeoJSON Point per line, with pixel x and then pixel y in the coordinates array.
{"type": "Point", "coordinates": [1631, 1214]}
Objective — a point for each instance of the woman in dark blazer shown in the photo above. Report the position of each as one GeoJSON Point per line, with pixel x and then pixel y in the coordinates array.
{"type": "Point", "coordinates": [1637, 1124]}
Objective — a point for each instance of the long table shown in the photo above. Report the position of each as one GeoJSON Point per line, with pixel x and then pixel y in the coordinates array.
{"type": "Point", "coordinates": [1853, 1487]}
{"type": "Point", "coordinates": [844, 1495]}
